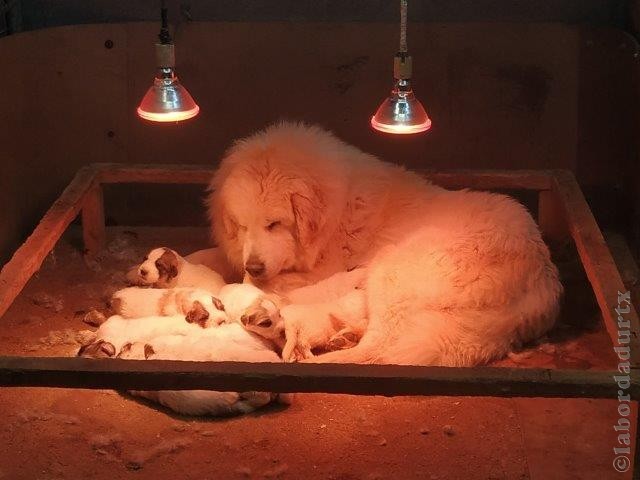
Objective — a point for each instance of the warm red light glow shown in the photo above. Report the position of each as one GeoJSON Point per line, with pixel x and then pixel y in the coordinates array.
{"type": "Point", "coordinates": [401, 129]}
{"type": "Point", "coordinates": [169, 116]}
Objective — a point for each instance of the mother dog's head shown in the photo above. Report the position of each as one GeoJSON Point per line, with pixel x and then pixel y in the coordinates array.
{"type": "Point", "coordinates": [277, 198]}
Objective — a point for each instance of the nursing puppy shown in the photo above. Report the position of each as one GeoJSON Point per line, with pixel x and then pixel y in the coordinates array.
{"type": "Point", "coordinates": [197, 305]}
{"type": "Point", "coordinates": [301, 328]}
{"type": "Point", "coordinates": [452, 277]}
{"type": "Point", "coordinates": [164, 268]}
{"type": "Point", "coordinates": [239, 298]}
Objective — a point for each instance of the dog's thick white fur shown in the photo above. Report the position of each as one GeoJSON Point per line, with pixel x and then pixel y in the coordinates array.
{"type": "Point", "coordinates": [453, 277]}
{"type": "Point", "coordinates": [332, 288]}
{"type": "Point", "coordinates": [212, 258]}
{"type": "Point", "coordinates": [165, 268]}
{"type": "Point", "coordinates": [302, 327]}
{"type": "Point", "coordinates": [195, 304]}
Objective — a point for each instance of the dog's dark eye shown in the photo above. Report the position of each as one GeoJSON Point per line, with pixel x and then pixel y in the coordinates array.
{"type": "Point", "coordinates": [272, 225]}
{"type": "Point", "coordinates": [265, 324]}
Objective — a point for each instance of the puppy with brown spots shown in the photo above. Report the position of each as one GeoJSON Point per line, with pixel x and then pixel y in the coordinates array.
{"type": "Point", "coordinates": [165, 268]}
{"type": "Point", "coordinates": [196, 304]}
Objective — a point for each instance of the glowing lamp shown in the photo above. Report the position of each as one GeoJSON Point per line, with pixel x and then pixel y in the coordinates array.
{"type": "Point", "coordinates": [167, 100]}
{"type": "Point", "coordinates": [401, 113]}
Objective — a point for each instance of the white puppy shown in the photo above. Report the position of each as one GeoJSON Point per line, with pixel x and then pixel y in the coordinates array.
{"type": "Point", "coordinates": [118, 331]}
{"type": "Point", "coordinates": [197, 305]}
{"type": "Point", "coordinates": [300, 328]}
{"type": "Point", "coordinates": [238, 298]}
{"type": "Point", "coordinates": [164, 268]}
{"type": "Point", "coordinates": [173, 339]}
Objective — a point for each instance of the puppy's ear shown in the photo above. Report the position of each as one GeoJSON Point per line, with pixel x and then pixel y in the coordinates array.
{"type": "Point", "coordinates": [308, 207]}
{"type": "Point", "coordinates": [198, 314]}
{"type": "Point", "coordinates": [218, 304]}
{"type": "Point", "coordinates": [247, 319]}
{"type": "Point", "coordinates": [167, 266]}
{"type": "Point", "coordinates": [148, 351]}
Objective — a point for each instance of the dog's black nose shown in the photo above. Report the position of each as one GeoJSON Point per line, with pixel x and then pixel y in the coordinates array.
{"type": "Point", "coordinates": [254, 268]}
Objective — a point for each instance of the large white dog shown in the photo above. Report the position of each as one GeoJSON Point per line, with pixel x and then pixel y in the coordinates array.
{"type": "Point", "coordinates": [453, 277]}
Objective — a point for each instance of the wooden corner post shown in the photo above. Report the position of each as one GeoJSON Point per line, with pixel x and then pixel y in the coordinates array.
{"type": "Point", "coordinates": [93, 227]}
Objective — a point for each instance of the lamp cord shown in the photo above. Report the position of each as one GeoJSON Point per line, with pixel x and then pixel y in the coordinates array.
{"type": "Point", "coordinates": [164, 36]}
{"type": "Point", "coordinates": [403, 26]}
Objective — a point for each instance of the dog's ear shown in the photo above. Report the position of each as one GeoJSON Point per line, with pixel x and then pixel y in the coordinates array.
{"type": "Point", "coordinates": [222, 224]}
{"type": "Point", "coordinates": [167, 266]}
{"type": "Point", "coordinates": [198, 314]}
{"type": "Point", "coordinates": [308, 209]}
{"type": "Point", "coordinates": [229, 224]}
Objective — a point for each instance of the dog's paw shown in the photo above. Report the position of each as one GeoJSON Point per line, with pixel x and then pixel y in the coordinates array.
{"type": "Point", "coordinates": [136, 351]}
{"type": "Point", "coordinates": [343, 339]}
{"type": "Point", "coordinates": [295, 353]}
{"type": "Point", "coordinates": [99, 349]}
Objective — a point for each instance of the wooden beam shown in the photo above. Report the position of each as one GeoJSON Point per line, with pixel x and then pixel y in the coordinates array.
{"type": "Point", "coordinates": [201, 174]}
{"type": "Point", "coordinates": [389, 380]}
{"type": "Point", "coordinates": [93, 227]}
{"type": "Point", "coordinates": [596, 258]}
{"type": "Point", "coordinates": [148, 173]}
{"type": "Point", "coordinates": [491, 179]}
{"type": "Point", "coordinates": [28, 258]}
{"type": "Point", "coordinates": [551, 218]}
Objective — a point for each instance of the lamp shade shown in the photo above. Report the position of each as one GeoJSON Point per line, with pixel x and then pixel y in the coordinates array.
{"type": "Point", "coordinates": [401, 112]}
{"type": "Point", "coordinates": [167, 100]}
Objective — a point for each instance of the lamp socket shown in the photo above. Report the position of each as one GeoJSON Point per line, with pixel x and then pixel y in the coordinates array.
{"type": "Point", "coordinates": [165, 55]}
{"type": "Point", "coordinates": [402, 66]}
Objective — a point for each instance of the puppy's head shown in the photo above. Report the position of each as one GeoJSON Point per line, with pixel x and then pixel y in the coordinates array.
{"type": "Point", "coordinates": [205, 310]}
{"type": "Point", "coordinates": [263, 318]}
{"type": "Point", "coordinates": [277, 198]}
{"type": "Point", "coordinates": [159, 267]}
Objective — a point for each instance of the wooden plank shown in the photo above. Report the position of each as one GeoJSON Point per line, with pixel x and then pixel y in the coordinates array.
{"type": "Point", "coordinates": [491, 179]}
{"type": "Point", "coordinates": [551, 218]}
{"type": "Point", "coordinates": [596, 258]}
{"type": "Point", "coordinates": [151, 173]}
{"type": "Point", "coordinates": [201, 174]}
{"type": "Point", "coordinates": [387, 380]}
{"type": "Point", "coordinates": [28, 258]}
{"type": "Point", "coordinates": [93, 226]}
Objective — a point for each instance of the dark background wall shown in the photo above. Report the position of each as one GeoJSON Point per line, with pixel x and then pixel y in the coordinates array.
{"type": "Point", "coordinates": [509, 84]}
{"type": "Point", "coordinates": [48, 13]}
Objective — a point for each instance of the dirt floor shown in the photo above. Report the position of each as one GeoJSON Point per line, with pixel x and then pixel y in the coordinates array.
{"type": "Point", "coordinates": [83, 434]}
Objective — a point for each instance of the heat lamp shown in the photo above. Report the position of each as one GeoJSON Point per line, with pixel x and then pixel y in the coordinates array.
{"type": "Point", "coordinates": [167, 100]}
{"type": "Point", "coordinates": [401, 112]}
